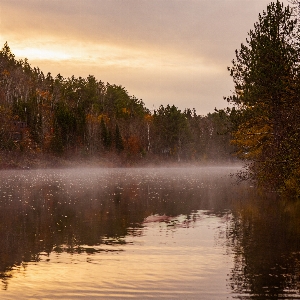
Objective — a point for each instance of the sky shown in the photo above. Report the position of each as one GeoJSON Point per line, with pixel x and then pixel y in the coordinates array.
{"type": "Point", "coordinates": [162, 51]}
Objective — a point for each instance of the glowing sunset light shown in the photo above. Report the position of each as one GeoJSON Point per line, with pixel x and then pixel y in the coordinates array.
{"type": "Point", "coordinates": [161, 51]}
{"type": "Point", "coordinates": [114, 55]}
{"type": "Point", "coordinates": [41, 54]}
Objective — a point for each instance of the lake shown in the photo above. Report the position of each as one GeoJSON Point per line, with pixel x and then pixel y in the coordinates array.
{"type": "Point", "coordinates": [145, 233]}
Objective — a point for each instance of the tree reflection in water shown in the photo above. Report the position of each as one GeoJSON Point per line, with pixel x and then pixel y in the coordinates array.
{"type": "Point", "coordinates": [265, 237]}
{"type": "Point", "coordinates": [93, 211]}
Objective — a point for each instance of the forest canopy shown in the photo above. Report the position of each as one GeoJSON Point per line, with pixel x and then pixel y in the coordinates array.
{"type": "Point", "coordinates": [80, 118]}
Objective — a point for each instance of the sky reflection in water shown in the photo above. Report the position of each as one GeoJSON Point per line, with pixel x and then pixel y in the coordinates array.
{"type": "Point", "coordinates": [144, 233]}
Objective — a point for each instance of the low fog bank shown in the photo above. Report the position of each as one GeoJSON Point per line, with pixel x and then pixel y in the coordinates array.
{"type": "Point", "coordinates": [47, 161]}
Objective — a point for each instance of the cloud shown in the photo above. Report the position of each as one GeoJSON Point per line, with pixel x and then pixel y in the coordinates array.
{"type": "Point", "coordinates": [164, 51]}
{"type": "Point", "coordinates": [186, 26]}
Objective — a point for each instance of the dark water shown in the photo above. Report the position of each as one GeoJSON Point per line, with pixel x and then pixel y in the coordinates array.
{"type": "Point", "coordinates": [161, 233]}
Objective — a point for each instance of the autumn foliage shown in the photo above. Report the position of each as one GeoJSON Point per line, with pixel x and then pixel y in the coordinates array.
{"type": "Point", "coordinates": [83, 118]}
{"type": "Point", "coordinates": [266, 113]}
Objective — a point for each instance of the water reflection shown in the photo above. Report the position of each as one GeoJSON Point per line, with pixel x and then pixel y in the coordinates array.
{"type": "Point", "coordinates": [264, 234]}
{"type": "Point", "coordinates": [94, 210]}
{"type": "Point", "coordinates": [198, 228]}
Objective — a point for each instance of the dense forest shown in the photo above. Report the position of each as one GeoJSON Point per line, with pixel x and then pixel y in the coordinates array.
{"type": "Point", "coordinates": [48, 120]}
{"type": "Point", "coordinates": [51, 119]}
{"type": "Point", "coordinates": [265, 116]}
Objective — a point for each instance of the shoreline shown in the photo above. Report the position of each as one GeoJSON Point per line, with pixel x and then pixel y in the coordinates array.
{"type": "Point", "coordinates": [21, 161]}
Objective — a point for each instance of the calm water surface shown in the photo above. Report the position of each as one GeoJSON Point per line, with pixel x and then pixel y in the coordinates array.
{"type": "Point", "coordinates": [176, 233]}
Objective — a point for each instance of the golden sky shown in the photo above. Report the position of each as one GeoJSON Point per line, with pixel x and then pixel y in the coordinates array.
{"type": "Point", "coordinates": [161, 51]}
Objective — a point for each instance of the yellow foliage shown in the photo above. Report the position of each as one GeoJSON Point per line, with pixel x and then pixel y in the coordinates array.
{"type": "Point", "coordinates": [148, 117]}
{"type": "Point", "coordinates": [43, 94]}
{"type": "Point", "coordinates": [5, 72]}
{"type": "Point", "coordinates": [104, 117]}
{"type": "Point", "coordinates": [92, 118]}
{"type": "Point", "coordinates": [251, 137]}
{"type": "Point", "coordinates": [125, 111]}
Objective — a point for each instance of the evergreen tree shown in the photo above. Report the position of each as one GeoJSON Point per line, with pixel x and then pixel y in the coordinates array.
{"type": "Point", "coordinates": [171, 129]}
{"type": "Point", "coordinates": [119, 140]}
{"type": "Point", "coordinates": [264, 74]}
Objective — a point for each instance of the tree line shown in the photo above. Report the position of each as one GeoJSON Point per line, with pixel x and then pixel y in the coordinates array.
{"type": "Point", "coordinates": [265, 110]}
{"type": "Point", "coordinates": [85, 117]}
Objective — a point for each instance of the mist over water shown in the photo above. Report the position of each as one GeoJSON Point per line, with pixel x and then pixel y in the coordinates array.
{"type": "Point", "coordinates": [160, 233]}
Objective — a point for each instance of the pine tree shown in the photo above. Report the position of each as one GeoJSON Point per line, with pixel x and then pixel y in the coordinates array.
{"type": "Point", "coordinates": [119, 140]}
{"type": "Point", "coordinates": [264, 73]}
